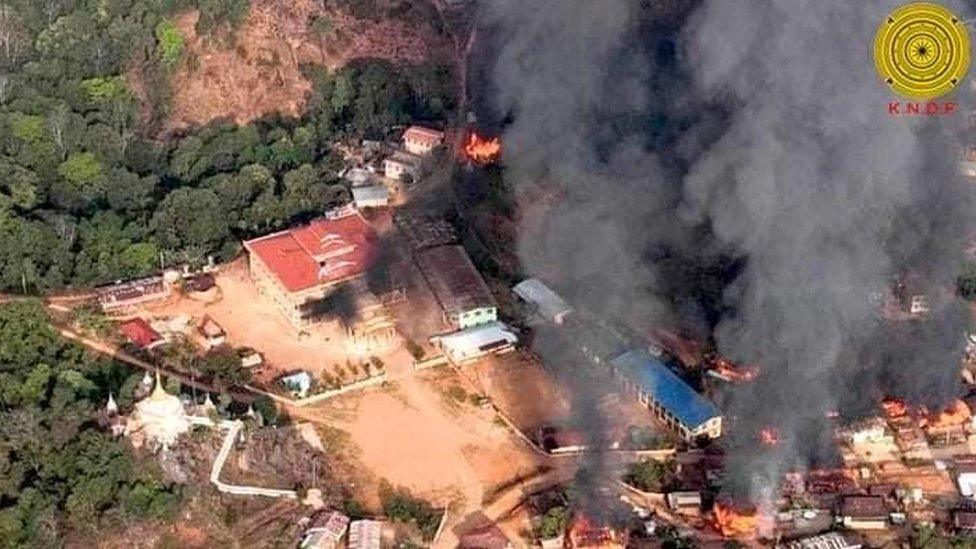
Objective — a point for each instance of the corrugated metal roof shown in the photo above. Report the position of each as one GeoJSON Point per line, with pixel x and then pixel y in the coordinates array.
{"type": "Point", "coordinates": [536, 292]}
{"type": "Point", "coordinates": [686, 404]}
{"type": "Point", "coordinates": [370, 194]}
{"type": "Point", "coordinates": [476, 337]}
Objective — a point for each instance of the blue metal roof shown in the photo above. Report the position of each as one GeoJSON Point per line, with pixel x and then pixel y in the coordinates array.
{"type": "Point", "coordinates": [664, 386]}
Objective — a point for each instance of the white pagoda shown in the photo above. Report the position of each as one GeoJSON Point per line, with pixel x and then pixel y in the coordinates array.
{"type": "Point", "coordinates": [159, 418]}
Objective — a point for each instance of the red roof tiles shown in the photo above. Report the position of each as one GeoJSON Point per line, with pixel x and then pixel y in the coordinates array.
{"type": "Point", "coordinates": [325, 251]}
{"type": "Point", "coordinates": [427, 136]}
{"type": "Point", "coordinates": [139, 331]}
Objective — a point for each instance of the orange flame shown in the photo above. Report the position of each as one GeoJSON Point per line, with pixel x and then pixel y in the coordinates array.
{"type": "Point", "coordinates": [481, 150]}
{"type": "Point", "coordinates": [732, 523]}
{"type": "Point", "coordinates": [769, 436]}
{"type": "Point", "coordinates": [894, 407]}
{"type": "Point", "coordinates": [584, 533]}
{"type": "Point", "coordinates": [732, 372]}
{"type": "Point", "coordinates": [955, 414]}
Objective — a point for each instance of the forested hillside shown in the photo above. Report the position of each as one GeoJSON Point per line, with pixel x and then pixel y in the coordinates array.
{"type": "Point", "coordinates": [59, 473]}
{"type": "Point", "coordinates": [90, 193]}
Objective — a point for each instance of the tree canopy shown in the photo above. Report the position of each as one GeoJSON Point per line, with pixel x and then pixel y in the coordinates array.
{"type": "Point", "coordinates": [91, 191]}
{"type": "Point", "coordinates": [58, 471]}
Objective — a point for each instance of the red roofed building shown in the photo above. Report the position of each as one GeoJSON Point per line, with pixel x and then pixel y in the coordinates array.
{"type": "Point", "coordinates": [140, 333]}
{"type": "Point", "coordinates": [298, 268]}
{"type": "Point", "coordinates": [421, 141]}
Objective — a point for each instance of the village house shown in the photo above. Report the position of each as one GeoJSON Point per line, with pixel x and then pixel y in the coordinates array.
{"type": "Point", "coordinates": [864, 513]}
{"type": "Point", "coordinates": [299, 268]}
{"type": "Point", "coordinates": [402, 166]}
{"type": "Point", "coordinates": [458, 286]}
{"type": "Point", "coordinates": [964, 521]}
{"type": "Point", "coordinates": [868, 431]}
{"type": "Point", "coordinates": [422, 141]}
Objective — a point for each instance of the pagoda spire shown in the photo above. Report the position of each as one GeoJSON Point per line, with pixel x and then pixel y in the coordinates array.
{"type": "Point", "coordinates": [158, 391]}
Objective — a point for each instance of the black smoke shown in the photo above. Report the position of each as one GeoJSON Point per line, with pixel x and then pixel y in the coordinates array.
{"type": "Point", "coordinates": [730, 167]}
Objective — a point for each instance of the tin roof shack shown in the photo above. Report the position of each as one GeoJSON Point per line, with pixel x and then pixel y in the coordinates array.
{"type": "Point", "coordinates": [864, 513]}
{"type": "Point", "coordinates": [966, 478]}
{"type": "Point", "coordinates": [375, 196]}
{"type": "Point", "coordinates": [832, 540]}
{"type": "Point", "coordinates": [685, 503]}
{"type": "Point", "coordinates": [365, 534]}
{"type": "Point", "coordinates": [299, 268]}
{"type": "Point", "coordinates": [424, 231]}
{"type": "Point", "coordinates": [964, 522]}
{"type": "Point", "coordinates": [326, 531]}
{"type": "Point", "coordinates": [141, 334]}
{"type": "Point", "coordinates": [686, 412]}
{"type": "Point", "coordinates": [122, 297]}
{"type": "Point", "coordinates": [458, 286]}
{"type": "Point", "coordinates": [471, 343]}
{"type": "Point", "coordinates": [545, 301]}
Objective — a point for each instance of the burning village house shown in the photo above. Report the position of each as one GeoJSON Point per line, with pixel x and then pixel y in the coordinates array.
{"type": "Point", "coordinates": [583, 532]}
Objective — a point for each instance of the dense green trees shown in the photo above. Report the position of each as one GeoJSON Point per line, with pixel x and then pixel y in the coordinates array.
{"type": "Point", "coordinates": [89, 193]}
{"type": "Point", "coordinates": [58, 471]}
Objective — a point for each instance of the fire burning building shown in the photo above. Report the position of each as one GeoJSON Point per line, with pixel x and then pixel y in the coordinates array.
{"type": "Point", "coordinates": [733, 522]}
{"type": "Point", "coordinates": [687, 413]}
{"type": "Point", "coordinates": [584, 533]}
{"type": "Point", "coordinates": [482, 151]}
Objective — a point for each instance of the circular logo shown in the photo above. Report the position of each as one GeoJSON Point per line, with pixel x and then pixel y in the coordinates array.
{"type": "Point", "coordinates": [922, 50]}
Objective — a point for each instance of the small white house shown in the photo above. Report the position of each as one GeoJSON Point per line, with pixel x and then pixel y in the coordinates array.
{"type": "Point", "coordinates": [687, 503]}
{"type": "Point", "coordinates": [359, 177]}
{"type": "Point", "coordinates": [967, 482]}
{"type": "Point", "coordinates": [471, 343]}
{"type": "Point", "coordinates": [869, 431]}
{"type": "Point", "coordinates": [401, 164]}
{"type": "Point", "coordinates": [375, 196]}
{"type": "Point", "coordinates": [299, 383]}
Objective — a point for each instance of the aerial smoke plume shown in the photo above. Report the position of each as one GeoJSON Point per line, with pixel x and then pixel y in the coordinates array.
{"type": "Point", "coordinates": [761, 133]}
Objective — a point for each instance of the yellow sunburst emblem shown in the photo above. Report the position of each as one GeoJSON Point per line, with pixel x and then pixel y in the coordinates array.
{"type": "Point", "coordinates": [922, 50]}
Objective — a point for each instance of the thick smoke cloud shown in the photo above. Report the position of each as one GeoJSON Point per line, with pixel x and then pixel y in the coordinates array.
{"type": "Point", "coordinates": [764, 137]}
{"type": "Point", "coordinates": [829, 199]}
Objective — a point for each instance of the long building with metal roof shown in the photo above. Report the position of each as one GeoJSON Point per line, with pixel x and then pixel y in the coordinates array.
{"type": "Point", "coordinates": [685, 411]}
